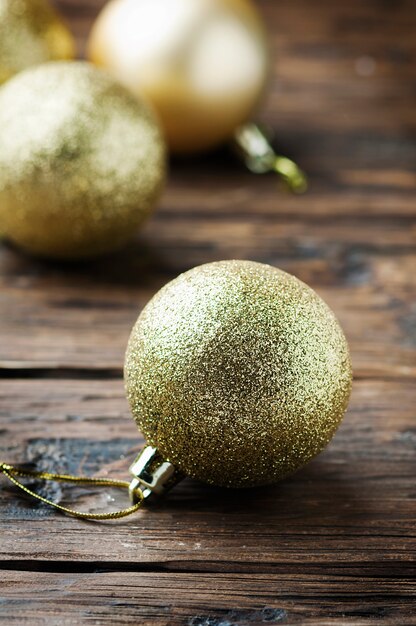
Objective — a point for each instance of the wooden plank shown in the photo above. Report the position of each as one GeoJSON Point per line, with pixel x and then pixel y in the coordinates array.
{"type": "Point", "coordinates": [355, 504]}
{"type": "Point", "coordinates": [202, 599]}
{"type": "Point", "coordinates": [55, 318]}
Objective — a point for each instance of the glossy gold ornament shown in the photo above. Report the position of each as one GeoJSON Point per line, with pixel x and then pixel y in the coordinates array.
{"type": "Point", "coordinates": [82, 161]}
{"type": "Point", "coordinates": [31, 33]}
{"type": "Point", "coordinates": [202, 63]}
{"type": "Point", "coordinates": [238, 374]}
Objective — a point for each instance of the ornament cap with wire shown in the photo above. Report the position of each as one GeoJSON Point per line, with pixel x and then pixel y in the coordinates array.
{"type": "Point", "coordinates": [152, 474]}
{"type": "Point", "coordinates": [254, 146]}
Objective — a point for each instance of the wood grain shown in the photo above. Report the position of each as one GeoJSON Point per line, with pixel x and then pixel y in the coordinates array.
{"type": "Point", "coordinates": [359, 490]}
{"type": "Point", "coordinates": [201, 599]}
{"type": "Point", "coordinates": [334, 544]}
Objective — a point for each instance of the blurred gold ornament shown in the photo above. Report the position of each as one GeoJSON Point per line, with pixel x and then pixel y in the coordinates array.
{"type": "Point", "coordinates": [31, 33]}
{"type": "Point", "coordinates": [82, 161]}
{"type": "Point", "coordinates": [238, 374]}
{"type": "Point", "coordinates": [202, 63]}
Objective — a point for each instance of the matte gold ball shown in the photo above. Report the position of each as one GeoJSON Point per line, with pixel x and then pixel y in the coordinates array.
{"type": "Point", "coordinates": [82, 161]}
{"type": "Point", "coordinates": [202, 63]}
{"type": "Point", "coordinates": [31, 33]}
{"type": "Point", "coordinates": [238, 373]}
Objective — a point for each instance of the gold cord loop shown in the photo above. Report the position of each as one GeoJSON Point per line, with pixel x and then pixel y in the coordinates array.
{"type": "Point", "coordinates": [12, 472]}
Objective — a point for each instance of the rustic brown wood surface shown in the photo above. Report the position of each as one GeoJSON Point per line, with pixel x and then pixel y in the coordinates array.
{"type": "Point", "coordinates": [334, 544]}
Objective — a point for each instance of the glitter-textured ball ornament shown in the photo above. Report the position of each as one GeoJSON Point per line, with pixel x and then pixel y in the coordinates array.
{"type": "Point", "coordinates": [31, 33]}
{"type": "Point", "coordinates": [82, 161]}
{"type": "Point", "coordinates": [238, 373]}
{"type": "Point", "coordinates": [202, 63]}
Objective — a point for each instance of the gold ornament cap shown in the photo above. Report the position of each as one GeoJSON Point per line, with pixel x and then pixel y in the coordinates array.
{"type": "Point", "coordinates": [237, 373]}
{"type": "Point", "coordinates": [152, 475]}
{"type": "Point", "coordinates": [82, 161]}
{"type": "Point", "coordinates": [31, 33]}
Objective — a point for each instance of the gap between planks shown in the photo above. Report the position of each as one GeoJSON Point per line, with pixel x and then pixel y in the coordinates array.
{"type": "Point", "coordinates": [34, 372]}
{"type": "Point", "coordinates": [397, 570]}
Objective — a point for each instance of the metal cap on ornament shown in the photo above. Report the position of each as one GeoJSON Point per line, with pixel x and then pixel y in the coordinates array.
{"type": "Point", "coordinates": [152, 474]}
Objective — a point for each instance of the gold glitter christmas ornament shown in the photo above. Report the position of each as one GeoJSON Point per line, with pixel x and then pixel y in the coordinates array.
{"type": "Point", "coordinates": [31, 33]}
{"type": "Point", "coordinates": [82, 161]}
{"type": "Point", "coordinates": [238, 374]}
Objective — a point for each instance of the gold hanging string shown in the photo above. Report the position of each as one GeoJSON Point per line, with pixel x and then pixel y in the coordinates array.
{"type": "Point", "coordinates": [12, 472]}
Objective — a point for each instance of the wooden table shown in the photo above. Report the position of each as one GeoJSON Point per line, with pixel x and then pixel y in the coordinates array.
{"type": "Point", "coordinates": [334, 544]}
